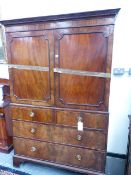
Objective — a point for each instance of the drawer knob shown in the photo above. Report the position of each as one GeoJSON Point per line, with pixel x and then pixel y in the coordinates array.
{"type": "Point", "coordinates": [33, 149]}
{"type": "Point", "coordinates": [78, 157]}
{"type": "Point", "coordinates": [33, 130]}
{"type": "Point", "coordinates": [32, 114]}
{"type": "Point", "coordinates": [79, 138]}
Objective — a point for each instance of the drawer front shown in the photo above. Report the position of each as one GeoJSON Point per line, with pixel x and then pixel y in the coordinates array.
{"type": "Point", "coordinates": [64, 135]}
{"type": "Point", "coordinates": [71, 156]}
{"type": "Point", "coordinates": [90, 120]}
{"type": "Point", "coordinates": [32, 114]}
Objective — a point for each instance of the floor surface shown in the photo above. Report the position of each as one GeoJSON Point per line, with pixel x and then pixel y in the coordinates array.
{"type": "Point", "coordinates": [114, 166]}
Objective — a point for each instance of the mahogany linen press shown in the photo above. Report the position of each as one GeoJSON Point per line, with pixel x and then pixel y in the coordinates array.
{"type": "Point", "coordinates": [60, 69]}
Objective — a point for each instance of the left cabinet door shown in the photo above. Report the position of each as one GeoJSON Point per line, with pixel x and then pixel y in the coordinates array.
{"type": "Point", "coordinates": [29, 67]}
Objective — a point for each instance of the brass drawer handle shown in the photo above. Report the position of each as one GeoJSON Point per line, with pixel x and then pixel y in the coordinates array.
{"type": "Point", "coordinates": [33, 149]}
{"type": "Point", "coordinates": [32, 114]}
{"type": "Point", "coordinates": [79, 138]}
{"type": "Point", "coordinates": [78, 157]}
{"type": "Point", "coordinates": [33, 130]}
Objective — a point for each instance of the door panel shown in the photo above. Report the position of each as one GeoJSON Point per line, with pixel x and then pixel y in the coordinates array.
{"type": "Point", "coordinates": [31, 85]}
{"type": "Point", "coordinates": [85, 52]}
{"type": "Point", "coordinates": [30, 48]}
{"type": "Point", "coordinates": [82, 50]}
{"type": "Point", "coordinates": [81, 90]}
{"type": "Point", "coordinates": [30, 67]}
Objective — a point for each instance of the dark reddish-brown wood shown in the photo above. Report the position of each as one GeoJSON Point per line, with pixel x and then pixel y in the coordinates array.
{"type": "Point", "coordinates": [28, 90]}
{"type": "Point", "coordinates": [49, 100]}
{"type": "Point", "coordinates": [90, 120]}
{"type": "Point", "coordinates": [78, 157]}
{"type": "Point", "coordinates": [39, 115]}
{"type": "Point", "coordinates": [5, 120]}
{"type": "Point", "coordinates": [78, 56]}
{"type": "Point", "coordinates": [27, 47]}
{"type": "Point", "coordinates": [62, 135]}
{"type": "Point", "coordinates": [33, 51]}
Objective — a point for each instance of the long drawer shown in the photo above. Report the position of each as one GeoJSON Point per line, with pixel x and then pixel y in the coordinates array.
{"type": "Point", "coordinates": [65, 135]}
{"type": "Point", "coordinates": [32, 114]}
{"type": "Point", "coordinates": [68, 155]}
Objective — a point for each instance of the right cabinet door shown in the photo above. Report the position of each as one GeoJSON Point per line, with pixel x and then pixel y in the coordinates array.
{"type": "Point", "coordinates": [82, 67]}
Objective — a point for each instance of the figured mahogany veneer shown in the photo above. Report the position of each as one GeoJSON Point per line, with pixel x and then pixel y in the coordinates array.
{"type": "Point", "coordinates": [90, 120]}
{"type": "Point", "coordinates": [77, 56]}
{"type": "Point", "coordinates": [60, 117]}
{"type": "Point", "coordinates": [63, 135]}
{"type": "Point", "coordinates": [28, 89]}
{"type": "Point", "coordinates": [60, 68]}
{"type": "Point", "coordinates": [24, 44]}
{"type": "Point", "coordinates": [33, 114]}
{"type": "Point", "coordinates": [77, 157]}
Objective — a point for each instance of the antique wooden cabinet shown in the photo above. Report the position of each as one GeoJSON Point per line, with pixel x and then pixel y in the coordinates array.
{"type": "Point", "coordinates": [59, 69]}
{"type": "Point", "coordinates": [5, 120]}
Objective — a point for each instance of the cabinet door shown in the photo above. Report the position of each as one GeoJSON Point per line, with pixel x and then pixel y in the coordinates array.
{"type": "Point", "coordinates": [29, 58]}
{"type": "Point", "coordinates": [82, 67]}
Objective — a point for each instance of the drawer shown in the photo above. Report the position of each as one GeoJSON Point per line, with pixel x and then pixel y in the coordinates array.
{"type": "Point", "coordinates": [90, 120]}
{"type": "Point", "coordinates": [68, 155]}
{"type": "Point", "coordinates": [32, 114]}
{"type": "Point", "coordinates": [63, 135]}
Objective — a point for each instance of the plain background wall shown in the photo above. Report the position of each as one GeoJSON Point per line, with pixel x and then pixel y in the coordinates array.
{"type": "Point", "coordinates": [120, 94]}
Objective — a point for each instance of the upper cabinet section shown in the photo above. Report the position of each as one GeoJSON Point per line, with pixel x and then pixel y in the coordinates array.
{"type": "Point", "coordinates": [61, 60]}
